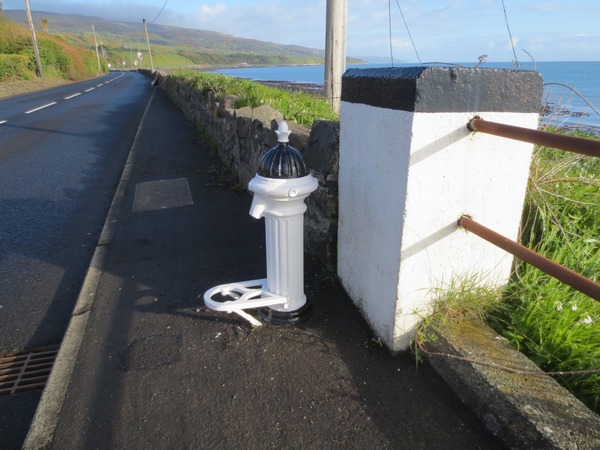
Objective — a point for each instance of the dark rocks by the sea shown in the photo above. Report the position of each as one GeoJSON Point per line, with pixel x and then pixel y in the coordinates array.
{"type": "Point", "coordinates": [309, 88]}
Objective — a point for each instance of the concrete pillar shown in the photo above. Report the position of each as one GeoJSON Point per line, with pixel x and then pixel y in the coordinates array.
{"type": "Point", "coordinates": [409, 168]}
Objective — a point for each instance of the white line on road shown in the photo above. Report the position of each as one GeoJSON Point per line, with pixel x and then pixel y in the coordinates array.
{"type": "Point", "coordinates": [3, 121]}
{"type": "Point", "coordinates": [101, 84]}
{"type": "Point", "coordinates": [90, 89]}
{"type": "Point", "coordinates": [40, 107]}
{"type": "Point", "coordinates": [71, 96]}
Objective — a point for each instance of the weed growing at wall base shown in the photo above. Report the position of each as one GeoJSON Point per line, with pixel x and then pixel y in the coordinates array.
{"type": "Point", "coordinates": [462, 299]}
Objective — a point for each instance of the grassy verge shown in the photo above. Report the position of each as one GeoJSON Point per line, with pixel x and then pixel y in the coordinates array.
{"type": "Point", "coordinates": [299, 107]}
{"type": "Point", "coordinates": [555, 325]}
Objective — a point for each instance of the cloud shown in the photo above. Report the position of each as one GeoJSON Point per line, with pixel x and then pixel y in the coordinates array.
{"type": "Point", "coordinates": [212, 11]}
{"type": "Point", "coordinates": [441, 29]}
{"type": "Point", "coordinates": [284, 22]}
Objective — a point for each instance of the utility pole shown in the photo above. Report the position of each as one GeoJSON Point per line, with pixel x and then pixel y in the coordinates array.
{"type": "Point", "coordinates": [97, 55]}
{"type": "Point", "coordinates": [148, 41]}
{"type": "Point", "coordinates": [36, 51]}
{"type": "Point", "coordinates": [335, 50]}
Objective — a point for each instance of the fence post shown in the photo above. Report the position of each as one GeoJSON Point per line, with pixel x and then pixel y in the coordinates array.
{"type": "Point", "coordinates": [409, 168]}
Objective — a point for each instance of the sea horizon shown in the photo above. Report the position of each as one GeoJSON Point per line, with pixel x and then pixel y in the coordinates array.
{"type": "Point", "coordinates": [571, 88]}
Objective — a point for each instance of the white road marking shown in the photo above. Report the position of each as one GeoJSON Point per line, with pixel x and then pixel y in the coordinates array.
{"type": "Point", "coordinates": [3, 121]}
{"type": "Point", "coordinates": [40, 107]}
{"type": "Point", "coordinates": [71, 96]}
{"type": "Point", "coordinates": [90, 89]}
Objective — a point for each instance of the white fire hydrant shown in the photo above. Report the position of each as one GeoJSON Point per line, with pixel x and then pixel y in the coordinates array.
{"type": "Point", "coordinates": [280, 187]}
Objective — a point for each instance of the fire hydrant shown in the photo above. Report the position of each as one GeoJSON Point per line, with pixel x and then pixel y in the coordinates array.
{"type": "Point", "coordinates": [280, 187]}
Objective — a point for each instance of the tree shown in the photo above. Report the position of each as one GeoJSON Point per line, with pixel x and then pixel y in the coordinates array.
{"type": "Point", "coordinates": [45, 24]}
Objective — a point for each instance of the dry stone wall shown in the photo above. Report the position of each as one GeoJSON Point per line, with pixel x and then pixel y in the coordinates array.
{"type": "Point", "coordinates": [241, 137]}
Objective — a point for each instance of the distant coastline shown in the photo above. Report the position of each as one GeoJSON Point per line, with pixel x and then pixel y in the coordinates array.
{"type": "Point", "coordinates": [571, 93]}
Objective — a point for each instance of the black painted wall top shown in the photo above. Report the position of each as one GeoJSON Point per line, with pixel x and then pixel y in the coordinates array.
{"type": "Point", "coordinates": [444, 89]}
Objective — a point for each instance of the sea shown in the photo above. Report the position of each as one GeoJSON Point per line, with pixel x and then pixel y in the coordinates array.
{"type": "Point", "coordinates": [571, 97]}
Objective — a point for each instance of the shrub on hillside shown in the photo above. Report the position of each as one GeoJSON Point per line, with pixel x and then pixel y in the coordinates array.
{"type": "Point", "coordinates": [14, 67]}
{"type": "Point", "coordinates": [60, 59]}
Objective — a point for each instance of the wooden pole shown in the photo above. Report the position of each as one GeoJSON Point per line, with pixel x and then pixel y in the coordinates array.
{"type": "Point", "coordinates": [148, 41]}
{"type": "Point", "coordinates": [335, 50]}
{"type": "Point", "coordinates": [36, 51]}
{"type": "Point", "coordinates": [97, 55]}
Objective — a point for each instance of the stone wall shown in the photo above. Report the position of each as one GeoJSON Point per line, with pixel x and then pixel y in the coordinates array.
{"type": "Point", "coordinates": [241, 137]}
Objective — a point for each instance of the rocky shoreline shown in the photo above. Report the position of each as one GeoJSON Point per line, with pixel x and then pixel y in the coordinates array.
{"type": "Point", "coordinates": [317, 90]}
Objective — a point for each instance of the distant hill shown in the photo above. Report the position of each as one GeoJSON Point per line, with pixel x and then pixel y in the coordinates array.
{"type": "Point", "coordinates": [119, 43]}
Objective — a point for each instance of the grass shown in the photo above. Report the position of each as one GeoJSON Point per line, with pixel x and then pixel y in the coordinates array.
{"type": "Point", "coordinates": [553, 324]}
{"type": "Point", "coordinates": [462, 299]}
{"type": "Point", "coordinates": [557, 327]}
{"type": "Point", "coordinates": [299, 107]}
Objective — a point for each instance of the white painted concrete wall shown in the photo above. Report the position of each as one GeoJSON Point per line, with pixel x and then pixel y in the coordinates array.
{"type": "Point", "coordinates": [404, 180]}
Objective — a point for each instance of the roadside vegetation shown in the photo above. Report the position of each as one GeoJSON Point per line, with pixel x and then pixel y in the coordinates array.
{"type": "Point", "coordinates": [556, 326]}
{"type": "Point", "coordinates": [60, 60]}
{"type": "Point", "coordinates": [300, 107]}
{"type": "Point", "coordinates": [553, 324]}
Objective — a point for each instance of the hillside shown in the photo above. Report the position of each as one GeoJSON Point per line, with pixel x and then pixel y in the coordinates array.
{"type": "Point", "coordinates": [171, 46]}
{"type": "Point", "coordinates": [60, 60]}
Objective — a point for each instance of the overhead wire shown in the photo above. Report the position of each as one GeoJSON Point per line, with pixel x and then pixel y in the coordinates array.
{"type": "Point", "coordinates": [390, 28]}
{"type": "Point", "coordinates": [512, 43]}
{"type": "Point", "coordinates": [159, 13]}
{"type": "Point", "coordinates": [408, 31]}
{"type": "Point", "coordinates": [405, 26]}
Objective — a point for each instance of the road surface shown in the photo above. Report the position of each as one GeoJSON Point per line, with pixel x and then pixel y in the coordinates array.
{"type": "Point", "coordinates": [62, 152]}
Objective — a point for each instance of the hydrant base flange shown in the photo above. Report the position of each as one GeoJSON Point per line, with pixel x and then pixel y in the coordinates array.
{"type": "Point", "coordinates": [294, 317]}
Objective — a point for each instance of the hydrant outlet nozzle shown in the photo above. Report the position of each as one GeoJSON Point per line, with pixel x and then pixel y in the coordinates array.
{"type": "Point", "coordinates": [258, 207]}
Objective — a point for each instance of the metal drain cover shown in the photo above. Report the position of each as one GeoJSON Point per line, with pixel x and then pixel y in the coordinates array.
{"type": "Point", "coordinates": [26, 370]}
{"type": "Point", "coordinates": [161, 194]}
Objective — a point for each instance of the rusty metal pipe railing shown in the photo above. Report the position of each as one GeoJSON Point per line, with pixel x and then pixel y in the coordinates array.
{"type": "Point", "coordinates": [558, 271]}
{"type": "Point", "coordinates": [570, 143]}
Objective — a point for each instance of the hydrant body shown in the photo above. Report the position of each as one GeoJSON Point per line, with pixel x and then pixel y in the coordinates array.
{"type": "Point", "coordinates": [281, 203]}
{"type": "Point", "coordinates": [280, 187]}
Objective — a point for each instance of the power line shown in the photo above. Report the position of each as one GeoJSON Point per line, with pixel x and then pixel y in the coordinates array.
{"type": "Point", "coordinates": [408, 31]}
{"type": "Point", "coordinates": [512, 44]}
{"type": "Point", "coordinates": [160, 12]}
{"type": "Point", "coordinates": [390, 28]}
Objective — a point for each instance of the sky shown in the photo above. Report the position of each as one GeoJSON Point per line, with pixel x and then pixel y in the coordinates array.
{"type": "Point", "coordinates": [441, 30]}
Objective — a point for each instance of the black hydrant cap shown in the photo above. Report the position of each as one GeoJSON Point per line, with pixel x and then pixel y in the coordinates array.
{"type": "Point", "coordinates": [283, 160]}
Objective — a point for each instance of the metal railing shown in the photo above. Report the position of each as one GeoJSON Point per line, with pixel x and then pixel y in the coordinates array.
{"type": "Point", "coordinates": [558, 271]}
{"type": "Point", "coordinates": [570, 143]}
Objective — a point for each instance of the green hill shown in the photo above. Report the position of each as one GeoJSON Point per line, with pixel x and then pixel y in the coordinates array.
{"type": "Point", "coordinates": [59, 58]}
{"type": "Point", "coordinates": [119, 43]}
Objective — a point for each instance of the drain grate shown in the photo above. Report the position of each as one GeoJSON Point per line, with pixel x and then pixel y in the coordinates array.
{"type": "Point", "coordinates": [26, 370]}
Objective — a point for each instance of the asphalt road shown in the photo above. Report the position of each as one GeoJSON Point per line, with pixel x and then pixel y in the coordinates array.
{"type": "Point", "coordinates": [62, 152]}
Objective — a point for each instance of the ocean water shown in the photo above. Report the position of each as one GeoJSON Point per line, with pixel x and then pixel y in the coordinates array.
{"type": "Point", "coordinates": [571, 89]}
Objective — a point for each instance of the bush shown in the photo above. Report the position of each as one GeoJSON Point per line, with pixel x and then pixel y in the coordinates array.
{"type": "Point", "coordinates": [60, 59]}
{"type": "Point", "coordinates": [14, 67]}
